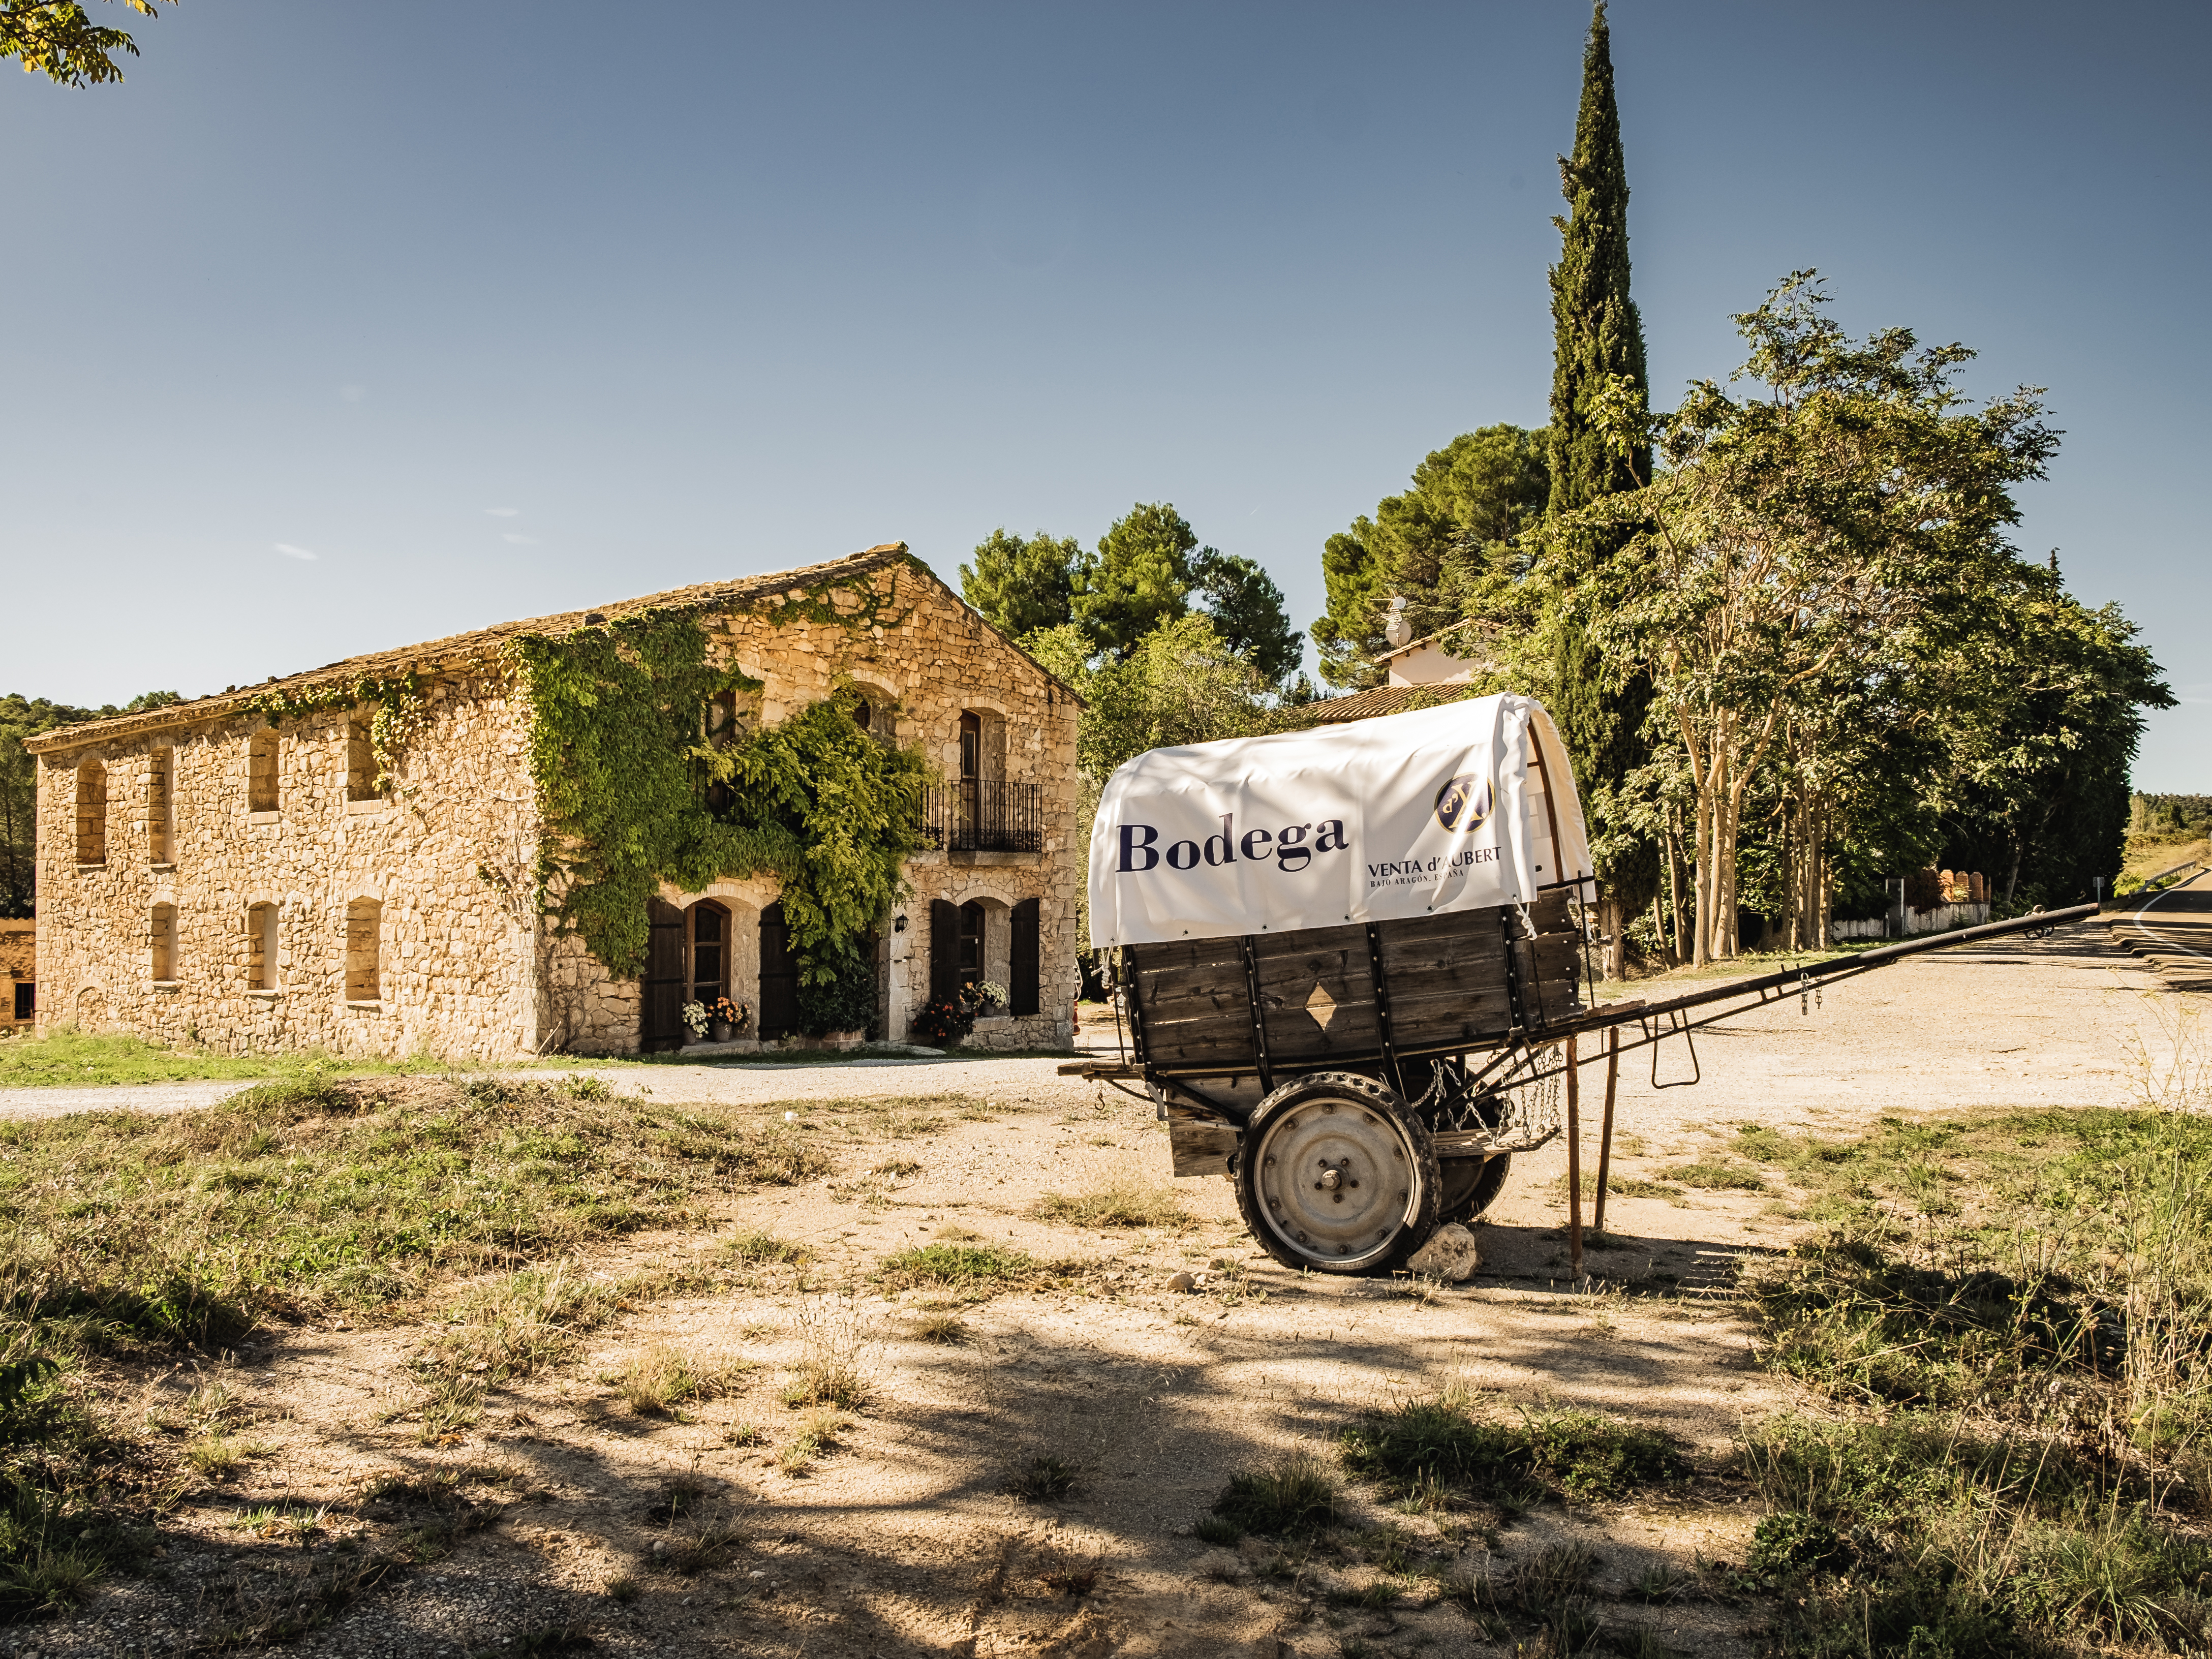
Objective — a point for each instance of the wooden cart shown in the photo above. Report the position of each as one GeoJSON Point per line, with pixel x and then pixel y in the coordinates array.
{"type": "Point", "coordinates": [1363, 1086]}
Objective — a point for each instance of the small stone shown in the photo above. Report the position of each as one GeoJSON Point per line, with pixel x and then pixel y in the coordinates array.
{"type": "Point", "coordinates": [1450, 1255]}
{"type": "Point", "coordinates": [1183, 1281]}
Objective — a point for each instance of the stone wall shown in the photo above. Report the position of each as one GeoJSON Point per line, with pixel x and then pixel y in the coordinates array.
{"type": "Point", "coordinates": [19, 966]}
{"type": "Point", "coordinates": [929, 661]}
{"type": "Point", "coordinates": [449, 955]}
{"type": "Point", "coordinates": [465, 967]}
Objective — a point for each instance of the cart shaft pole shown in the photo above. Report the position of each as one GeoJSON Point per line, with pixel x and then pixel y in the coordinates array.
{"type": "Point", "coordinates": [1574, 1171]}
{"type": "Point", "coordinates": [1605, 1132]}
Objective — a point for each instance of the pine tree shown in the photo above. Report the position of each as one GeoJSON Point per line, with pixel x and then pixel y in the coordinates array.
{"type": "Point", "coordinates": [1598, 355]}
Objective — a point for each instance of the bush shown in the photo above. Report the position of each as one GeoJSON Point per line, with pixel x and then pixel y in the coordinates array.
{"type": "Point", "coordinates": [846, 1003]}
{"type": "Point", "coordinates": [948, 1022]}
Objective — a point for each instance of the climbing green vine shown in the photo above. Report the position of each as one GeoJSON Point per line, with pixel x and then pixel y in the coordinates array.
{"type": "Point", "coordinates": [401, 712]}
{"type": "Point", "coordinates": [624, 769]}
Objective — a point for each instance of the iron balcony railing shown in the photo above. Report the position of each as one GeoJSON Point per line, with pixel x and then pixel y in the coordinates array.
{"type": "Point", "coordinates": [979, 815]}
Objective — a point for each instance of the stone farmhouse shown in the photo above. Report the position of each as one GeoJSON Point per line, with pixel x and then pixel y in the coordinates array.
{"type": "Point", "coordinates": [272, 868]}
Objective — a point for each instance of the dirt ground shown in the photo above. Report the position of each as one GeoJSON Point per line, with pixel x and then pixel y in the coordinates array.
{"type": "Point", "coordinates": [572, 1521]}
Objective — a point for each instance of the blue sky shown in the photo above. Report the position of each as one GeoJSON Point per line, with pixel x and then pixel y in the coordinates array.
{"type": "Point", "coordinates": [340, 326]}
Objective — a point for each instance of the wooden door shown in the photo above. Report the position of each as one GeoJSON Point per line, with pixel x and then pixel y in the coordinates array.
{"type": "Point", "coordinates": [944, 951]}
{"type": "Point", "coordinates": [1022, 965]}
{"type": "Point", "coordinates": [661, 1012]}
{"type": "Point", "coordinates": [779, 975]}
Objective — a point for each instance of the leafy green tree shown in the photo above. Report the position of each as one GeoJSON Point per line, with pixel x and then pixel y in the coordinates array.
{"type": "Point", "coordinates": [1349, 635]}
{"type": "Point", "coordinates": [58, 39]}
{"type": "Point", "coordinates": [1816, 556]}
{"type": "Point", "coordinates": [22, 718]}
{"type": "Point", "coordinates": [1141, 577]}
{"type": "Point", "coordinates": [1181, 683]}
{"type": "Point", "coordinates": [1599, 392]}
{"type": "Point", "coordinates": [2038, 796]}
{"type": "Point", "coordinates": [1247, 612]}
{"type": "Point", "coordinates": [1442, 545]}
{"type": "Point", "coordinates": [1021, 586]}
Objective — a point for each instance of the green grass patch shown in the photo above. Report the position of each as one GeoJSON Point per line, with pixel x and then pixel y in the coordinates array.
{"type": "Point", "coordinates": [1450, 1440]}
{"type": "Point", "coordinates": [2023, 1300]}
{"type": "Point", "coordinates": [1717, 1175]}
{"type": "Point", "coordinates": [138, 1235]}
{"type": "Point", "coordinates": [122, 1230]}
{"type": "Point", "coordinates": [1293, 1494]}
{"type": "Point", "coordinates": [961, 1266]}
{"type": "Point", "coordinates": [1118, 1203]}
{"type": "Point", "coordinates": [69, 1057]}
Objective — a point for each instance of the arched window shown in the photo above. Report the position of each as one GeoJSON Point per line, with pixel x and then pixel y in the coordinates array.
{"type": "Point", "coordinates": [261, 773]}
{"type": "Point", "coordinates": [165, 943]}
{"type": "Point", "coordinates": [364, 981]}
{"type": "Point", "coordinates": [710, 952]}
{"type": "Point", "coordinates": [360, 761]}
{"type": "Point", "coordinates": [91, 813]}
{"type": "Point", "coordinates": [160, 771]}
{"type": "Point", "coordinates": [261, 947]}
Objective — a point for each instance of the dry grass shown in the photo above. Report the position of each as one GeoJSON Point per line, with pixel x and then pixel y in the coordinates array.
{"type": "Point", "coordinates": [1117, 1204]}
{"type": "Point", "coordinates": [819, 1432]}
{"type": "Point", "coordinates": [659, 1379]}
{"type": "Point", "coordinates": [830, 1370]}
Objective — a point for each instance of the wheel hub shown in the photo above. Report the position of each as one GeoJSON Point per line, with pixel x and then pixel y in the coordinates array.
{"type": "Point", "coordinates": [1334, 1181]}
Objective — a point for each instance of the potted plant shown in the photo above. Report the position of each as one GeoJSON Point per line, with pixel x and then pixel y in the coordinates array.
{"type": "Point", "coordinates": [694, 1021]}
{"type": "Point", "coordinates": [987, 997]}
{"type": "Point", "coordinates": [725, 1018]}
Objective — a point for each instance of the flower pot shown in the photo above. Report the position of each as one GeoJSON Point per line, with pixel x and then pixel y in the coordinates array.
{"type": "Point", "coordinates": [844, 1039]}
{"type": "Point", "coordinates": [720, 1030]}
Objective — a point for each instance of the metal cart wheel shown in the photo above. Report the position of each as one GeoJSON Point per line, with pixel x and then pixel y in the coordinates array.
{"type": "Point", "coordinates": [1471, 1185]}
{"type": "Point", "coordinates": [1336, 1173]}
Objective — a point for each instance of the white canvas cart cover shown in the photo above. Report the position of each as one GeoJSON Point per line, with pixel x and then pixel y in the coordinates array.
{"type": "Point", "coordinates": [1450, 808]}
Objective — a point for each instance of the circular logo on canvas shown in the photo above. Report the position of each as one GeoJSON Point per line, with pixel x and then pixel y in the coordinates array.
{"type": "Point", "coordinates": [1464, 802]}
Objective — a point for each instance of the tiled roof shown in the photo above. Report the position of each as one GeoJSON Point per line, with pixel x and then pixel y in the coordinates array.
{"type": "Point", "coordinates": [456, 648]}
{"type": "Point", "coordinates": [1382, 699]}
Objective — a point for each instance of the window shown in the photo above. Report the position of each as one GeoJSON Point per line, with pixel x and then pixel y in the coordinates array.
{"type": "Point", "coordinates": [261, 947]}
{"type": "Point", "coordinates": [261, 773]}
{"type": "Point", "coordinates": [91, 813]}
{"type": "Point", "coordinates": [363, 956]}
{"type": "Point", "coordinates": [161, 768]}
{"type": "Point", "coordinates": [27, 999]}
{"type": "Point", "coordinates": [165, 944]}
{"type": "Point", "coordinates": [971, 943]}
{"type": "Point", "coordinates": [710, 932]}
{"type": "Point", "coordinates": [360, 761]}
{"type": "Point", "coordinates": [971, 747]}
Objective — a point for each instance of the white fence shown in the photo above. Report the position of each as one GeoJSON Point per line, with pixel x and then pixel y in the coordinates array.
{"type": "Point", "coordinates": [1942, 918]}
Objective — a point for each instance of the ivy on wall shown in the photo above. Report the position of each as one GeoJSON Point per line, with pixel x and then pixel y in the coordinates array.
{"type": "Point", "coordinates": [400, 714]}
{"type": "Point", "coordinates": [620, 760]}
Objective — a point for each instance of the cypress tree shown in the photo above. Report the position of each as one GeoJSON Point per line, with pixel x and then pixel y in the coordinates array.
{"type": "Point", "coordinates": [1597, 339]}
{"type": "Point", "coordinates": [1596, 333]}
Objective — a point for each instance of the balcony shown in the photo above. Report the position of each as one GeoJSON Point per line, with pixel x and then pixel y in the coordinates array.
{"type": "Point", "coordinates": [983, 815]}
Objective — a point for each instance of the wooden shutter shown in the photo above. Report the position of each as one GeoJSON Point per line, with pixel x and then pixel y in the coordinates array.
{"type": "Point", "coordinates": [778, 1015]}
{"type": "Point", "coordinates": [944, 951]}
{"type": "Point", "coordinates": [660, 1013]}
{"type": "Point", "coordinates": [1023, 958]}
